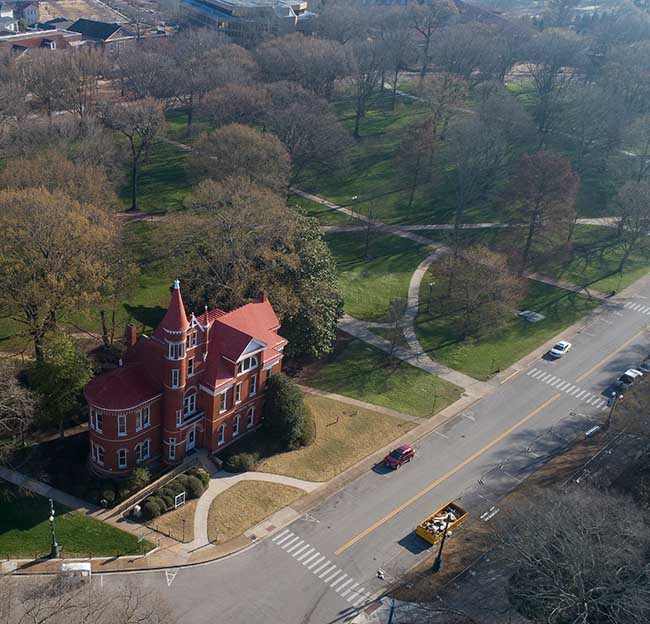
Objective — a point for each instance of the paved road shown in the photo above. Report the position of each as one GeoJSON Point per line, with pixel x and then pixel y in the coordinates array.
{"type": "Point", "coordinates": [324, 567]}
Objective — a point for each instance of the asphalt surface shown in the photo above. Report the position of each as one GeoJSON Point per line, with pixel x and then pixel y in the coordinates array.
{"type": "Point", "coordinates": [324, 567]}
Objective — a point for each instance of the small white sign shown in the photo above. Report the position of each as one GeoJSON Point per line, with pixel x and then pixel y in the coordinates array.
{"type": "Point", "coordinates": [179, 500]}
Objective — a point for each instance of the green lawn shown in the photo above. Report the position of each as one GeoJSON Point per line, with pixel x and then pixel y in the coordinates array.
{"type": "Point", "coordinates": [369, 285]}
{"type": "Point", "coordinates": [163, 180]}
{"type": "Point", "coordinates": [323, 214]}
{"type": "Point", "coordinates": [25, 530]}
{"type": "Point", "coordinates": [358, 370]}
{"type": "Point", "coordinates": [597, 271]}
{"type": "Point", "coordinates": [437, 331]}
{"type": "Point", "coordinates": [176, 126]}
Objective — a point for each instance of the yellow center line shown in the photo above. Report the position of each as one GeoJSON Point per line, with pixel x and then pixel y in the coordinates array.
{"type": "Point", "coordinates": [446, 476]}
{"type": "Point", "coordinates": [610, 356]}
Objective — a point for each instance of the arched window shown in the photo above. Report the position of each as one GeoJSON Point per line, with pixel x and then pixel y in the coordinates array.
{"type": "Point", "coordinates": [247, 364]}
{"type": "Point", "coordinates": [250, 418]}
{"type": "Point", "coordinates": [121, 458]}
{"type": "Point", "coordinates": [221, 435]}
{"type": "Point", "coordinates": [235, 425]}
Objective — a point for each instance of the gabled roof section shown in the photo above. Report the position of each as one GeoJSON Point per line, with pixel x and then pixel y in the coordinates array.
{"type": "Point", "coordinates": [175, 320]}
{"type": "Point", "coordinates": [94, 29]}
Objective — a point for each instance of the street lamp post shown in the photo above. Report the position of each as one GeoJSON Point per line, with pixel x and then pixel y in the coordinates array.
{"type": "Point", "coordinates": [612, 406]}
{"type": "Point", "coordinates": [54, 549]}
{"type": "Point", "coordinates": [438, 562]}
{"type": "Point", "coordinates": [431, 285]}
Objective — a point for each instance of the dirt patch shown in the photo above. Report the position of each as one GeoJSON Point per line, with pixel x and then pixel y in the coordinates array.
{"type": "Point", "coordinates": [78, 9]}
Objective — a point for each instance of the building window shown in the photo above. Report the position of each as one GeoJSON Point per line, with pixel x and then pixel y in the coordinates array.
{"type": "Point", "coordinates": [91, 419]}
{"type": "Point", "coordinates": [224, 402]}
{"type": "Point", "coordinates": [269, 372]}
{"type": "Point", "coordinates": [221, 435]}
{"type": "Point", "coordinates": [146, 449]}
{"type": "Point", "coordinates": [138, 421]}
{"type": "Point", "coordinates": [188, 340]}
{"type": "Point", "coordinates": [147, 416]}
{"type": "Point", "coordinates": [176, 351]}
{"type": "Point", "coordinates": [121, 458]}
{"type": "Point", "coordinates": [238, 393]}
{"type": "Point", "coordinates": [189, 405]}
{"type": "Point", "coordinates": [253, 386]}
{"type": "Point", "coordinates": [190, 366]}
{"type": "Point", "coordinates": [121, 425]}
{"type": "Point", "coordinates": [195, 339]}
{"type": "Point", "coordinates": [179, 418]}
{"type": "Point", "coordinates": [235, 426]}
{"type": "Point", "coordinates": [138, 453]}
{"type": "Point", "coordinates": [172, 448]}
{"type": "Point", "coordinates": [176, 378]}
{"type": "Point", "coordinates": [247, 364]}
{"type": "Point", "coordinates": [250, 419]}
{"type": "Point", "coordinates": [99, 423]}
{"type": "Point", "coordinates": [98, 454]}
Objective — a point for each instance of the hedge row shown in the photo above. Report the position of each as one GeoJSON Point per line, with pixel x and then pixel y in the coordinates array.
{"type": "Point", "coordinates": [193, 483]}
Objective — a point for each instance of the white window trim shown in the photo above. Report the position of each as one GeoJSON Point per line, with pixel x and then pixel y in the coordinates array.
{"type": "Point", "coordinates": [126, 458]}
{"type": "Point", "coordinates": [191, 398]}
{"type": "Point", "coordinates": [223, 402]}
{"type": "Point", "coordinates": [238, 393]}
{"type": "Point", "coordinates": [179, 417]}
{"type": "Point", "coordinates": [251, 360]}
{"type": "Point", "coordinates": [195, 338]}
{"type": "Point", "coordinates": [235, 425]}
{"type": "Point", "coordinates": [122, 418]}
{"type": "Point", "coordinates": [171, 452]}
{"type": "Point", "coordinates": [250, 417]}
{"type": "Point", "coordinates": [191, 361]}
{"type": "Point", "coordinates": [146, 444]}
{"type": "Point", "coordinates": [221, 434]}
{"type": "Point", "coordinates": [91, 419]}
{"type": "Point", "coordinates": [99, 424]}
{"type": "Point", "coordinates": [253, 385]}
{"type": "Point", "coordinates": [176, 378]}
{"type": "Point", "coordinates": [95, 452]}
{"type": "Point", "coordinates": [147, 416]}
{"type": "Point", "coordinates": [138, 420]}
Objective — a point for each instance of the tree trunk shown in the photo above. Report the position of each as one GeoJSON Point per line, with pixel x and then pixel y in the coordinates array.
{"type": "Point", "coordinates": [61, 430]}
{"type": "Point", "coordinates": [394, 100]}
{"type": "Point", "coordinates": [425, 57]}
{"type": "Point", "coordinates": [190, 115]}
{"type": "Point", "coordinates": [134, 186]}
{"type": "Point", "coordinates": [357, 120]}
{"type": "Point", "coordinates": [529, 243]}
{"type": "Point", "coordinates": [102, 316]}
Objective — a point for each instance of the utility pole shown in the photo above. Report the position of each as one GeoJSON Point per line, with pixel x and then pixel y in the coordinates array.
{"type": "Point", "coordinates": [438, 562]}
{"type": "Point", "coordinates": [54, 549]}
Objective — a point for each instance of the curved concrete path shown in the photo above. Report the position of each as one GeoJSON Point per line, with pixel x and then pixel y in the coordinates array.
{"type": "Point", "coordinates": [219, 483]}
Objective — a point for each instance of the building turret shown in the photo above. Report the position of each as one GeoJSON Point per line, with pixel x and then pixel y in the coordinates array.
{"type": "Point", "coordinates": [172, 332]}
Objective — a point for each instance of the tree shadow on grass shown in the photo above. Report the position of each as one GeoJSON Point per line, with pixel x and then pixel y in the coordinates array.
{"type": "Point", "coordinates": [149, 316]}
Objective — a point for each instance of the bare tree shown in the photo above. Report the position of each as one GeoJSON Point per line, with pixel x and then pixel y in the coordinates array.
{"type": "Point", "coordinates": [396, 309]}
{"type": "Point", "coordinates": [484, 290]}
{"type": "Point", "coordinates": [442, 95]}
{"type": "Point", "coordinates": [367, 66]}
{"type": "Point", "coordinates": [633, 201]}
{"type": "Point", "coordinates": [543, 191]}
{"type": "Point", "coordinates": [236, 103]}
{"type": "Point", "coordinates": [415, 155]}
{"type": "Point", "coordinates": [426, 18]}
{"type": "Point", "coordinates": [576, 556]}
{"type": "Point", "coordinates": [399, 48]}
{"type": "Point", "coordinates": [17, 404]}
{"type": "Point", "coordinates": [637, 136]}
{"type": "Point", "coordinates": [553, 60]}
{"type": "Point", "coordinates": [140, 123]}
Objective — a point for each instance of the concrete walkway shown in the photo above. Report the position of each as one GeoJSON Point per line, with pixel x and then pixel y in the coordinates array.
{"type": "Point", "coordinates": [219, 483]}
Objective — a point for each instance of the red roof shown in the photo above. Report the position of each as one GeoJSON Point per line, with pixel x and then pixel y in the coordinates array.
{"type": "Point", "coordinates": [122, 388]}
{"type": "Point", "coordinates": [175, 319]}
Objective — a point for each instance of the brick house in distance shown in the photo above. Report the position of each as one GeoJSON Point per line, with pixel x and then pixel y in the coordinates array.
{"type": "Point", "coordinates": [194, 383]}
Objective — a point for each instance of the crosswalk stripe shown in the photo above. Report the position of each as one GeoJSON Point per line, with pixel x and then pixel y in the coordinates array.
{"type": "Point", "coordinates": [574, 392]}
{"type": "Point", "coordinates": [295, 553]}
{"type": "Point", "coordinates": [314, 558]}
{"type": "Point", "coordinates": [356, 594]}
{"type": "Point", "coordinates": [635, 306]}
{"type": "Point", "coordinates": [532, 370]}
{"type": "Point", "coordinates": [314, 563]}
{"type": "Point", "coordinates": [296, 545]}
{"type": "Point", "coordinates": [349, 589]}
{"type": "Point", "coordinates": [289, 535]}
{"type": "Point", "coordinates": [587, 397]}
{"type": "Point", "coordinates": [538, 374]}
{"type": "Point", "coordinates": [569, 389]}
{"type": "Point", "coordinates": [305, 554]}
{"type": "Point", "coordinates": [331, 576]}
{"type": "Point", "coordinates": [326, 571]}
{"type": "Point", "coordinates": [556, 382]}
{"type": "Point", "coordinates": [628, 304]}
{"type": "Point", "coordinates": [643, 309]}
{"type": "Point", "coordinates": [340, 588]}
{"type": "Point", "coordinates": [580, 394]}
{"type": "Point", "coordinates": [334, 583]}
{"type": "Point", "coordinates": [279, 535]}
{"type": "Point", "coordinates": [563, 385]}
{"type": "Point", "coordinates": [291, 541]}
{"type": "Point", "coordinates": [321, 567]}
{"type": "Point", "coordinates": [544, 377]}
{"type": "Point", "coordinates": [361, 600]}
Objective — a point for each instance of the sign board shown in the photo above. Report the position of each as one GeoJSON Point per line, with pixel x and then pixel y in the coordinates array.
{"type": "Point", "coordinates": [79, 569]}
{"type": "Point", "coordinates": [179, 500]}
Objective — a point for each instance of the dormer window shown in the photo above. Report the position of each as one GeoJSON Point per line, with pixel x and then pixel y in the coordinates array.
{"type": "Point", "coordinates": [247, 364]}
{"type": "Point", "coordinates": [176, 351]}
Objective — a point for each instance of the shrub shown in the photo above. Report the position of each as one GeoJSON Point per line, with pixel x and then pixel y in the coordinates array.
{"type": "Point", "coordinates": [153, 507]}
{"type": "Point", "coordinates": [166, 497]}
{"type": "Point", "coordinates": [309, 431]}
{"type": "Point", "coordinates": [175, 486]}
{"type": "Point", "coordinates": [201, 474]}
{"type": "Point", "coordinates": [241, 462]}
{"type": "Point", "coordinates": [194, 486]}
{"type": "Point", "coordinates": [109, 496]}
{"type": "Point", "coordinates": [138, 479]}
{"type": "Point", "coordinates": [284, 411]}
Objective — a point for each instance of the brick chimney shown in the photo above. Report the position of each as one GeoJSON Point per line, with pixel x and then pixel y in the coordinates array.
{"type": "Point", "coordinates": [130, 335]}
{"type": "Point", "coordinates": [262, 297]}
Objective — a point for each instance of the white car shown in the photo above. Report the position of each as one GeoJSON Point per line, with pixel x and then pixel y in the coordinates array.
{"type": "Point", "coordinates": [628, 378]}
{"type": "Point", "coordinates": [560, 349]}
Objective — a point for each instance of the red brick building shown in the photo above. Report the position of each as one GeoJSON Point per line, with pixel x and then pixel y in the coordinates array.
{"type": "Point", "coordinates": [194, 383]}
